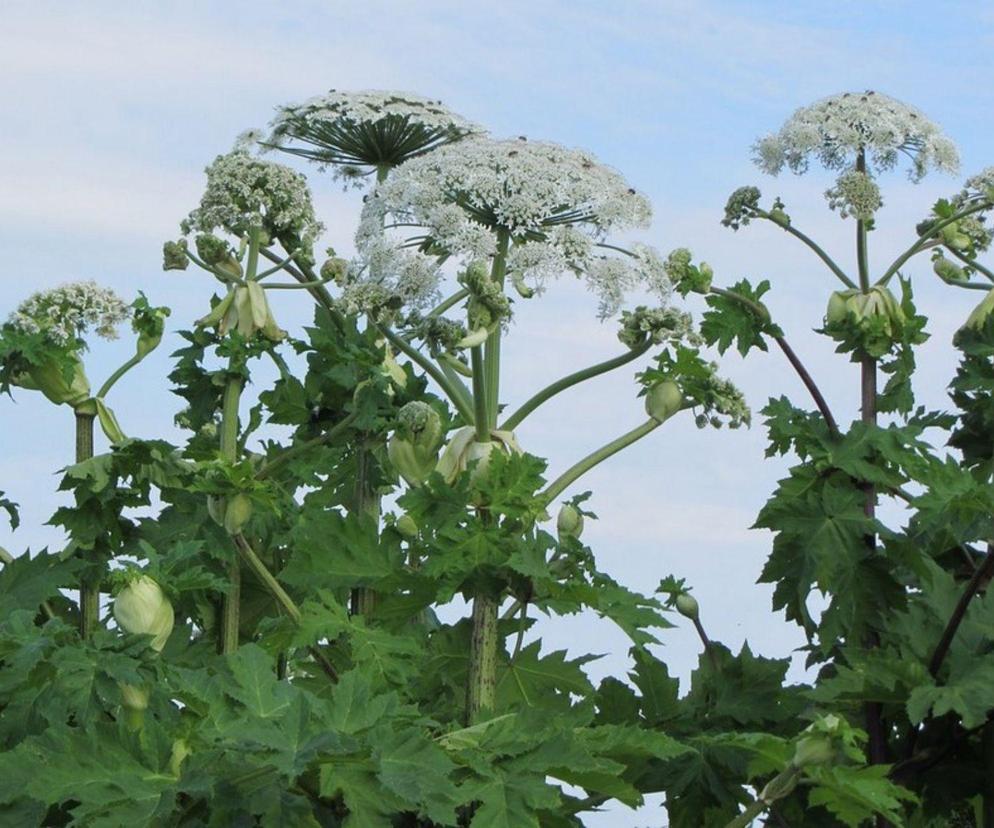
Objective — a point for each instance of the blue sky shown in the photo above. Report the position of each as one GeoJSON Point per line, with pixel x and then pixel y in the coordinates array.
{"type": "Point", "coordinates": [111, 111]}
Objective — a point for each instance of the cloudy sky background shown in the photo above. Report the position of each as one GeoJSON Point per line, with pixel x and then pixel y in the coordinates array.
{"type": "Point", "coordinates": [111, 111]}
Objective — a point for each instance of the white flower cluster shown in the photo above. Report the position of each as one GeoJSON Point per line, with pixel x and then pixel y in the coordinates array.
{"type": "Point", "coordinates": [356, 130]}
{"type": "Point", "coordinates": [553, 205]}
{"type": "Point", "coordinates": [855, 194]}
{"type": "Point", "coordinates": [978, 185]}
{"type": "Point", "coordinates": [65, 313]}
{"type": "Point", "coordinates": [387, 276]}
{"type": "Point", "coordinates": [245, 193]}
{"type": "Point", "coordinates": [835, 129]}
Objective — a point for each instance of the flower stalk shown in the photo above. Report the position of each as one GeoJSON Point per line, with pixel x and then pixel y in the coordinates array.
{"type": "Point", "coordinates": [89, 587]}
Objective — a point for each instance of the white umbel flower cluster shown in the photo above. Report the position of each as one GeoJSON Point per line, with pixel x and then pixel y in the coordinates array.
{"type": "Point", "coordinates": [65, 313]}
{"type": "Point", "coordinates": [553, 206]}
{"type": "Point", "coordinates": [855, 194]}
{"type": "Point", "coordinates": [836, 129]}
{"type": "Point", "coordinates": [245, 193]}
{"type": "Point", "coordinates": [355, 131]}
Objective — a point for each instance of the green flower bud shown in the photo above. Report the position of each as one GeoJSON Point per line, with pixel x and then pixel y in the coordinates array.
{"type": "Point", "coordinates": [174, 255]}
{"type": "Point", "coordinates": [215, 508]}
{"type": "Point", "coordinates": [108, 422]}
{"type": "Point", "coordinates": [413, 448]}
{"type": "Point", "coordinates": [948, 271]}
{"type": "Point", "coordinates": [50, 379]}
{"type": "Point", "coordinates": [687, 606]}
{"type": "Point", "coordinates": [813, 750]}
{"type": "Point", "coordinates": [406, 526]}
{"type": "Point", "coordinates": [838, 306]}
{"type": "Point", "coordinates": [778, 216]}
{"type": "Point", "coordinates": [474, 338]}
{"type": "Point", "coordinates": [663, 400]}
{"type": "Point", "coordinates": [218, 254]}
{"type": "Point", "coordinates": [180, 750]}
{"type": "Point", "coordinates": [569, 522]}
{"type": "Point", "coordinates": [334, 270]}
{"type": "Point", "coordinates": [141, 608]}
{"type": "Point", "coordinates": [779, 786]}
{"type": "Point", "coordinates": [134, 701]}
{"type": "Point", "coordinates": [237, 513]}
{"type": "Point", "coordinates": [463, 450]}
{"type": "Point", "coordinates": [978, 318]}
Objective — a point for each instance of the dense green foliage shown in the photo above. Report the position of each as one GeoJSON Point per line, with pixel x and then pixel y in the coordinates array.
{"type": "Point", "coordinates": [293, 671]}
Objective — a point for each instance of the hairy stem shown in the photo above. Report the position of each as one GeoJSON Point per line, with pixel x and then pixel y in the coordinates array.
{"type": "Point", "coordinates": [482, 686]}
{"type": "Point", "coordinates": [366, 504]}
{"type": "Point", "coordinates": [577, 470]}
{"type": "Point", "coordinates": [816, 248]}
{"type": "Point", "coordinates": [89, 586]}
{"type": "Point", "coordinates": [569, 381]}
{"type": "Point", "coordinates": [231, 603]}
{"type": "Point", "coordinates": [481, 411]}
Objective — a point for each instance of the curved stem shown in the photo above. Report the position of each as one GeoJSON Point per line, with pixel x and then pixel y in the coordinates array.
{"type": "Point", "coordinates": [580, 468]}
{"type": "Point", "coordinates": [443, 306]}
{"type": "Point", "coordinates": [276, 267]}
{"type": "Point", "coordinates": [89, 586]}
{"type": "Point", "coordinates": [295, 285]}
{"type": "Point", "coordinates": [791, 355]}
{"type": "Point", "coordinates": [302, 448]}
{"type": "Point", "coordinates": [922, 242]}
{"type": "Point", "coordinates": [816, 248]}
{"type": "Point", "coordinates": [810, 384]}
{"type": "Point", "coordinates": [319, 293]}
{"type": "Point", "coordinates": [429, 368]}
{"type": "Point", "coordinates": [569, 381]}
{"type": "Point", "coordinates": [974, 264]}
{"type": "Point", "coordinates": [256, 564]}
{"type": "Point", "coordinates": [980, 576]}
{"type": "Point", "coordinates": [120, 372]}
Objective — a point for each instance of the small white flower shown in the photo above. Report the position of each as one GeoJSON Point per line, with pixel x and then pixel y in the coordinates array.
{"type": "Point", "coordinates": [64, 314]}
{"type": "Point", "coordinates": [837, 128]}
{"type": "Point", "coordinates": [855, 194]}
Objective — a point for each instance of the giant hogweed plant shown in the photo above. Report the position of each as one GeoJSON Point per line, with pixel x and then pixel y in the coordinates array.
{"type": "Point", "coordinates": [269, 651]}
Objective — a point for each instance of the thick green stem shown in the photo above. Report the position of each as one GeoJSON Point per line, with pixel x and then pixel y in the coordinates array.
{"type": "Point", "coordinates": [577, 470]}
{"type": "Point", "coordinates": [481, 411]}
{"type": "Point", "coordinates": [231, 604]}
{"type": "Point", "coordinates": [492, 348]}
{"type": "Point", "coordinates": [482, 686]}
{"type": "Point", "coordinates": [569, 381]}
{"type": "Point", "coordinates": [269, 468]}
{"type": "Point", "coordinates": [366, 504]}
{"type": "Point", "coordinates": [89, 587]}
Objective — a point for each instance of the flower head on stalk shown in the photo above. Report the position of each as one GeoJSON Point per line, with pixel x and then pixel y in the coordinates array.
{"type": "Point", "coordinates": [836, 129]}
{"type": "Point", "coordinates": [64, 314]}
{"type": "Point", "coordinates": [244, 193]}
{"type": "Point", "coordinates": [359, 132]}
{"type": "Point", "coordinates": [554, 207]}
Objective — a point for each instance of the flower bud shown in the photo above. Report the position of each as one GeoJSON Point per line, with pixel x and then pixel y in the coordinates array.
{"type": "Point", "coordinates": [780, 217]}
{"type": "Point", "coordinates": [474, 338]}
{"type": "Point", "coordinates": [334, 270]}
{"type": "Point", "coordinates": [413, 448]}
{"type": "Point", "coordinates": [134, 697]}
{"type": "Point", "coordinates": [687, 606]}
{"type": "Point", "coordinates": [174, 255]}
{"type": "Point", "coordinates": [663, 400]}
{"type": "Point", "coordinates": [108, 422]}
{"type": "Point", "coordinates": [179, 752]}
{"type": "Point", "coordinates": [569, 522]}
{"type": "Point", "coordinates": [406, 526]}
{"type": "Point", "coordinates": [813, 750]}
{"type": "Point", "coordinates": [779, 786]}
{"type": "Point", "coordinates": [838, 306]}
{"type": "Point", "coordinates": [237, 513]}
{"type": "Point", "coordinates": [141, 608]}
{"type": "Point", "coordinates": [463, 450]}
{"type": "Point", "coordinates": [978, 318]}
{"type": "Point", "coordinates": [50, 379]}
{"type": "Point", "coordinates": [948, 271]}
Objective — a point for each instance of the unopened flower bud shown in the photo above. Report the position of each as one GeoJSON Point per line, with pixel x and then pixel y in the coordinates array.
{"type": "Point", "coordinates": [406, 526]}
{"type": "Point", "coordinates": [237, 513]}
{"type": "Point", "coordinates": [687, 606]}
{"type": "Point", "coordinates": [978, 318]}
{"type": "Point", "coordinates": [141, 608]}
{"type": "Point", "coordinates": [413, 448]}
{"type": "Point", "coordinates": [569, 522]}
{"type": "Point", "coordinates": [663, 400]}
{"type": "Point", "coordinates": [174, 255]}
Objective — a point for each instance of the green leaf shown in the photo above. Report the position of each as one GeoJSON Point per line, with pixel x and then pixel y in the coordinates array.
{"type": "Point", "coordinates": [25, 582]}
{"type": "Point", "coordinates": [857, 794]}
